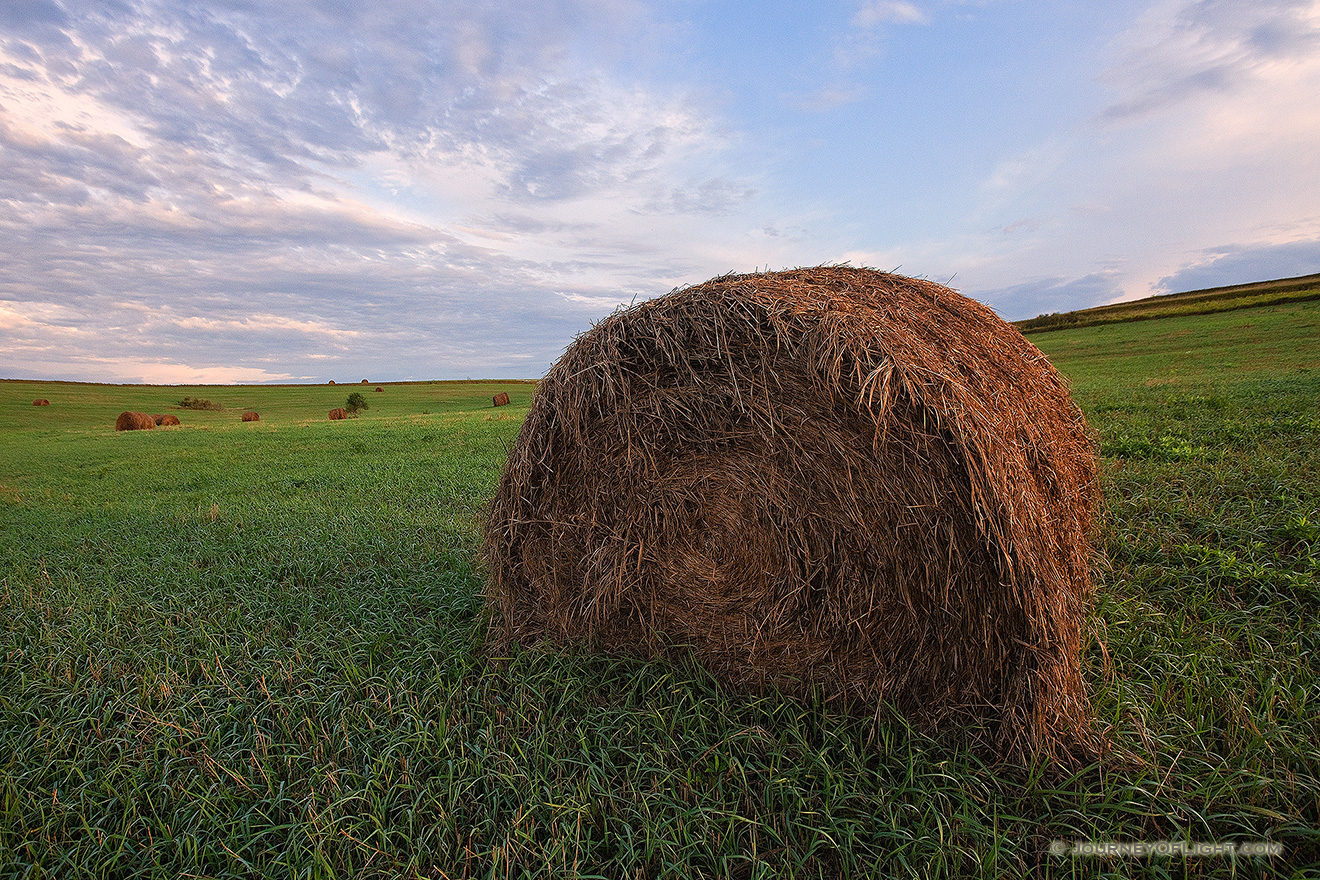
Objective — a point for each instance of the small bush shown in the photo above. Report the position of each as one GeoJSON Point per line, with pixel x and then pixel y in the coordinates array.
{"type": "Point", "coordinates": [199, 403]}
{"type": "Point", "coordinates": [356, 402]}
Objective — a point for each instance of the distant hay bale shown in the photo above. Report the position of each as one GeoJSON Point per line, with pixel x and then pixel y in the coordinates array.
{"type": "Point", "coordinates": [501, 399]}
{"type": "Point", "coordinates": [164, 421]}
{"type": "Point", "coordinates": [378, 388]}
{"type": "Point", "coordinates": [338, 413]}
{"type": "Point", "coordinates": [837, 482]}
{"type": "Point", "coordinates": [365, 382]}
{"type": "Point", "coordinates": [41, 401]}
{"type": "Point", "coordinates": [332, 381]}
{"type": "Point", "coordinates": [250, 416]}
{"type": "Point", "coordinates": [134, 421]}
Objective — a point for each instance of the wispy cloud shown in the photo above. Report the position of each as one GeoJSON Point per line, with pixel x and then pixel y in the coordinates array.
{"type": "Point", "coordinates": [876, 12]}
{"type": "Point", "coordinates": [359, 174]}
{"type": "Point", "coordinates": [1238, 264]}
{"type": "Point", "coordinates": [1181, 51]}
{"type": "Point", "coordinates": [417, 190]}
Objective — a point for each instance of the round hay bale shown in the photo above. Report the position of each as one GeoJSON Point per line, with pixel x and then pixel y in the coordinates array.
{"type": "Point", "coordinates": [378, 388]}
{"type": "Point", "coordinates": [250, 416]}
{"type": "Point", "coordinates": [165, 420]}
{"type": "Point", "coordinates": [338, 413]}
{"type": "Point", "coordinates": [501, 399]}
{"type": "Point", "coordinates": [41, 401]}
{"type": "Point", "coordinates": [837, 482]}
{"type": "Point", "coordinates": [332, 381]}
{"type": "Point", "coordinates": [134, 421]}
{"type": "Point", "coordinates": [365, 382]}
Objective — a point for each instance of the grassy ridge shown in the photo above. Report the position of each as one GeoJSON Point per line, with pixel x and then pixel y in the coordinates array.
{"type": "Point", "coordinates": [1191, 302]}
{"type": "Point", "coordinates": [254, 650]}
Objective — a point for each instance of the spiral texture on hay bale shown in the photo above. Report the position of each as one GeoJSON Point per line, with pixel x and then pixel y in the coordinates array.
{"type": "Point", "coordinates": [165, 421]}
{"type": "Point", "coordinates": [134, 421]}
{"type": "Point", "coordinates": [41, 401]}
{"type": "Point", "coordinates": [501, 399]}
{"type": "Point", "coordinates": [250, 416]}
{"type": "Point", "coordinates": [339, 413]}
{"type": "Point", "coordinates": [837, 482]}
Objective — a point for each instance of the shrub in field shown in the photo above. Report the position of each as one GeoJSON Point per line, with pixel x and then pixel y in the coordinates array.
{"type": "Point", "coordinates": [356, 402]}
{"type": "Point", "coordinates": [199, 403]}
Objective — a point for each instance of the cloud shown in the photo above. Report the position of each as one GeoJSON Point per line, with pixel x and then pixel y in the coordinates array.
{"type": "Point", "coordinates": [1240, 264]}
{"type": "Point", "coordinates": [452, 189]}
{"type": "Point", "coordinates": [875, 12]}
{"type": "Point", "coordinates": [1044, 295]}
{"type": "Point", "coordinates": [1207, 136]}
{"type": "Point", "coordinates": [1181, 51]}
{"type": "Point", "coordinates": [26, 17]}
{"type": "Point", "coordinates": [170, 373]}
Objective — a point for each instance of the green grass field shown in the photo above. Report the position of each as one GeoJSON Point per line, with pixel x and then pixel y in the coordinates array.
{"type": "Point", "coordinates": [250, 650]}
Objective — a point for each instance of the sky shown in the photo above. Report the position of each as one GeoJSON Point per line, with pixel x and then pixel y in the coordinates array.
{"type": "Point", "coordinates": [235, 191]}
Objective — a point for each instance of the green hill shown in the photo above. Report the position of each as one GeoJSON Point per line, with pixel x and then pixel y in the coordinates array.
{"type": "Point", "coordinates": [1191, 302]}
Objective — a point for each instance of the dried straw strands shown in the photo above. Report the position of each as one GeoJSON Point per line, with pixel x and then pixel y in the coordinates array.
{"type": "Point", "coordinates": [134, 421]}
{"type": "Point", "coordinates": [837, 482]}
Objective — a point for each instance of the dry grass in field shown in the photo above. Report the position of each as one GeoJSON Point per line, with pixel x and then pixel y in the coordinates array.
{"type": "Point", "coordinates": [134, 421]}
{"type": "Point", "coordinates": [836, 482]}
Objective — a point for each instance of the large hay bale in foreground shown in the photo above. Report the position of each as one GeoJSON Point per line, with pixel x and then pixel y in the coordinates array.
{"type": "Point", "coordinates": [501, 399]}
{"type": "Point", "coordinates": [338, 413]}
{"type": "Point", "coordinates": [41, 401]}
{"type": "Point", "coordinates": [837, 482]}
{"type": "Point", "coordinates": [134, 421]}
{"type": "Point", "coordinates": [250, 416]}
{"type": "Point", "coordinates": [166, 420]}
